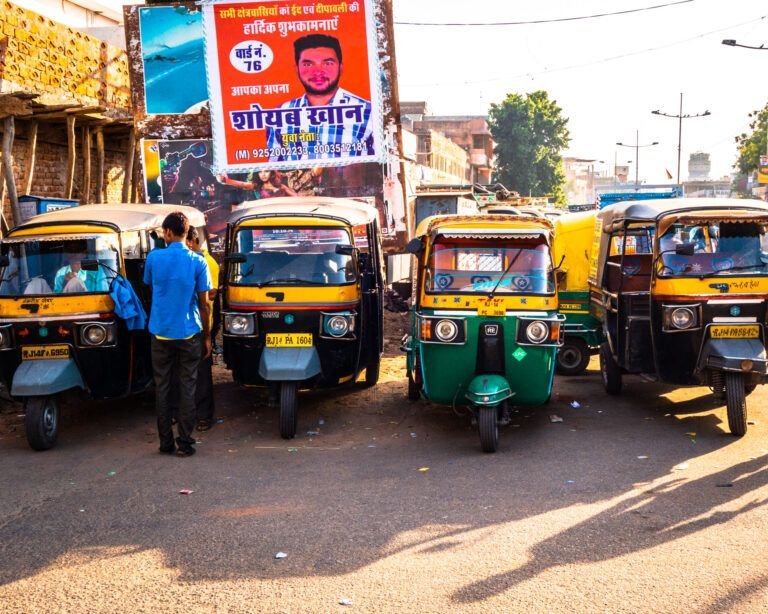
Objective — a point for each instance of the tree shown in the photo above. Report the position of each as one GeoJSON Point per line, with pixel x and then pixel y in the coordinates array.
{"type": "Point", "coordinates": [752, 146]}
{"type": "Point", "coordinates": [530, 132]}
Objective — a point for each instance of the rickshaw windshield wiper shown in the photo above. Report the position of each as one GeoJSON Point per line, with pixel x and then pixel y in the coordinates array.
{"type": "Point", "coordinates": [509, 266]}
{"type": "Point", "coordinates": [291, 280]}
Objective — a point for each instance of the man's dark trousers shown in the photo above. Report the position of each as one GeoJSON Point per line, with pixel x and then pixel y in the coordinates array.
{"type": "Point", "coordinates": [183, 357]}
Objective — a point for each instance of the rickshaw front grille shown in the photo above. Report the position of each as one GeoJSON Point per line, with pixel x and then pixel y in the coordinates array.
{"type": "Point", "coordinates": [490, 350]}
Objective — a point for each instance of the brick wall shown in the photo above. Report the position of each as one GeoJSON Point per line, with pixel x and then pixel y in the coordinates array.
{"type": "Point", "coordinates": [63, 67]}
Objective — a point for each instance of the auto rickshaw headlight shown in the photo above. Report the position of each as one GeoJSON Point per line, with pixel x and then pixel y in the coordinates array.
{"type": "Point", "coordinates": [238, 324]}
{"type": "Point", "coordinates": [96, 333]}
{"type": "Point", "coordinates": [446, 330]}
{"type": "Point", "coordinates": [537, 332]}
{"type": "Point", "coordinates": [683, 318]}
{"type": "Point", "coordinates": [337, 326]}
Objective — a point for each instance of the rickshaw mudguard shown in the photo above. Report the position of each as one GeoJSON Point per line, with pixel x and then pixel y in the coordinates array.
{"type": "Point", "coordinates": [730, 354]}
{"type": "Point", "coordinates": [289, 364]}
{"type": "Point", "coordinates": [46, 376]}
{"type": "Point", "coordinates": [488, 390]}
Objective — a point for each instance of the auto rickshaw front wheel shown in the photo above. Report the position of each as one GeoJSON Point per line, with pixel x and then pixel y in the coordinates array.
{"type": "Point", "coordinates": [41, 422]}
{"type": "Point", "coordinates": [288, 410]}
{"type": "Point", "coordinates": [488, 423]}
{"type": "Point", "coordinates": [736, 403]}
{"type": "Point", "coordinates": [609, 370]}
{"type": "Point", "coordinates": [372, 369]}
{"type": "Point", "coordinates": [572, 357]}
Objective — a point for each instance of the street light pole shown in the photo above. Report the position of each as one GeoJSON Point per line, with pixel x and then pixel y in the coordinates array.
{"type": "Point", "coordinates": [680, 117]}
{"type": "Point", "coordinates": [637, 147]}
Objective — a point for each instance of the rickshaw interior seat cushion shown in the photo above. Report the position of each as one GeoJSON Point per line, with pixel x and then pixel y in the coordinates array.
{"type": "Point", "coordinates": [636, 273]}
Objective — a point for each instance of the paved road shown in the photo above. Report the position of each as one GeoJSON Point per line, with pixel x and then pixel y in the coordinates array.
{"type": "Point", "coordinates": [641, 503]}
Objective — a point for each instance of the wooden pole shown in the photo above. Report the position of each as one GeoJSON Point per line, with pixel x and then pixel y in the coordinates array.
{"type": "Point", "coordinates": [9, 130]}
{"type": "Point", "coordinates": [86, 191]}
{"type": "Point", "coordinates": [128, 173]}
{"type": "Point", "coordinates": [71, 154]}
{"type": "Point", "coordinates": [29, 167]}
{"type": "Point", "coordinates": [100, 197]}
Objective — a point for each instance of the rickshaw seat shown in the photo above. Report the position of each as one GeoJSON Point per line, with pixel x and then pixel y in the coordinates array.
{"type": "Point", "coordinates": [635, 275]}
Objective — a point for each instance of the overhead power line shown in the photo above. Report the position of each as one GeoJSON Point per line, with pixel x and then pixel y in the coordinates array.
{"type": "Point", "coordinates": [540, 21]}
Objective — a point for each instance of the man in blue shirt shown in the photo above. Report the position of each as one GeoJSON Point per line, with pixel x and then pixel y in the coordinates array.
{"type": "Point", "coordinates": [179, 323]}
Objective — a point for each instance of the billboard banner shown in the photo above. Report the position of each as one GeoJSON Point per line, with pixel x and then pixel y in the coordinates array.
{"type": "Point", "coordinates": [293, 84]}
{"type": "Point", "coordinates": [762, 170]}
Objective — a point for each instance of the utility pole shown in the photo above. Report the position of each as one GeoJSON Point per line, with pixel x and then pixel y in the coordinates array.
{"type": "Point", "coordinates": [680, 117]}
{"type": "Point", "coordinates": [637, 147]}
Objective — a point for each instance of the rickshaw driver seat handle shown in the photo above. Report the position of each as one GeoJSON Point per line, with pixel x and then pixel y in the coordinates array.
{"type": "Point", "coordinates": [288, 364]}
{"type": "Point", "coordinates": [44, 377]}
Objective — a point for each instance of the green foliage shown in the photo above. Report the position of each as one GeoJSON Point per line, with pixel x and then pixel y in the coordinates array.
{"type": "Point", "coordinates": [530, 132]}
{"type": "Point", "coordinates": [752, 146]}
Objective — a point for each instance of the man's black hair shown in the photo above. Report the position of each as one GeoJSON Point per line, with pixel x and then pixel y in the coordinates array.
{"type": "Point", "coordinates": [193, 235]}
{"type": "Point", "coordinates": [177, 223]}
{"type": "Point", "coordinates": [312, 41]}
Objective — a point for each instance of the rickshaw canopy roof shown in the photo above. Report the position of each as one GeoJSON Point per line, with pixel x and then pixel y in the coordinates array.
{"type": "Point", "coordinates": [651, 211]}
{"type": "Point", "coordinates": [485, 226]}
{"type": "Point", "coordinates": [352, 212]}
{"type": "Point", "coordinates": [124, 217]}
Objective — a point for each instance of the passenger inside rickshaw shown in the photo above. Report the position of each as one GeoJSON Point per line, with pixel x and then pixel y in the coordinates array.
{"type": "Point", "coordinates": [506, 267]}
{"type": "Point", "coordinates": [293, 255]}
{"type": "Point", "coordinates": [41, 266]}
{"type": "Point", "coordinates": [712, 248]}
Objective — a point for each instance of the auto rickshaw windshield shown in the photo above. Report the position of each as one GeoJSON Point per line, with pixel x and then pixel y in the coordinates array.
{"type": "Point", "coordinates": [715, 248]}
{"type": "Point", "coordinates": [513, 266]}
{"type": "Point", "coordinates": [300, 255]}
{"type": "Point", "coordinates": [53, 265]}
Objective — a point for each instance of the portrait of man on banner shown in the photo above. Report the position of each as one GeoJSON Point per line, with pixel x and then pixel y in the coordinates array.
{"type": "Point", "coordinates": [293, 84]}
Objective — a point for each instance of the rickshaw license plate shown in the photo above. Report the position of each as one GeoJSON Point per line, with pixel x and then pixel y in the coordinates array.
{"type": "Point", "coordinates": [43, 352]}
{"type": "Point", "coordinates": [493, 308]}
{"type": "Point", "coordinates": [734, 332]}
{"type": "Point", "coordinates": [289, 340]}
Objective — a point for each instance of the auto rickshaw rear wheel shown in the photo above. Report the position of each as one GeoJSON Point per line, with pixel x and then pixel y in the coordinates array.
{"type": "Point", "coordinates": [736, 403]}
{"type": "Point", "coordinates": [609, 370]}
{"type": "Point", "coordinates": [487, 421]}
{"type": "Point", "coordinates": [572, 357]}
{"type": "Point", "coordinates": [288, 410]}
{"type": "Point", "coordinates": [41, 422]}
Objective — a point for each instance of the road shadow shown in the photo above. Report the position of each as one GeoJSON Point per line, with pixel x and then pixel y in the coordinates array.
{"type": "Point", "coordinates": [648, 519]}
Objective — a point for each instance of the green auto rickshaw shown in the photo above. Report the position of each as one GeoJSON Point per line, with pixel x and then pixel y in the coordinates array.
{"type": "Point", "coordinates": [485, 325]}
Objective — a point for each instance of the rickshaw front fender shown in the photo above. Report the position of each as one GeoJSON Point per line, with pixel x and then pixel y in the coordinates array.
{"type": "Point", "coordinates": [44, 377]}
{"type": "Point", "coordinates": [488, 390]}
{"type": "Point", "coordinates": [731, 354]}
{"type": "Point", "coordinates": [289, 364]}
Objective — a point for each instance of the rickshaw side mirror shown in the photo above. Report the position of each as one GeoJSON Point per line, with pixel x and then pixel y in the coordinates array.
{"type": "Point", "coordinates": [89, 265]}
{"type": "Point", "coordinates": [235, 257]}
{"type": "Point", "coordinates": [414, 247]}
{"type": "Point", "coordinates": [685, 249]}
{"type": "Point", "coordinates": [345, 250]}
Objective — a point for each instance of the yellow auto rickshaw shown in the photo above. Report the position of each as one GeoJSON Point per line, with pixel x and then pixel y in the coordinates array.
{"type": "Point", "coordinates": [59, 325]}
{"type": "Point", "coordinates": [302, 302]}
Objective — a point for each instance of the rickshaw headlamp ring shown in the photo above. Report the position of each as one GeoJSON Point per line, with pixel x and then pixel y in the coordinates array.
{"type": "Point", "coordinates": [238, 324]}
{"type": "Point", "coordinates": [683, 318]}
{"type": "Point", "coordinates": [97, 334]}
{"type": "Point", "coordinates": [537, 332]}
{"type": "Point", "coordinates": [446, 330]}
{"type": "Point", "coordinates": [337, 326]}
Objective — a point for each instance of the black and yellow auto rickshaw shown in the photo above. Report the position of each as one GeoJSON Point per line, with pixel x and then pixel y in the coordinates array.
{"type": "Point", "coordinates": [303, 296]}
{"type": "Point", "coordinates": [59, 329]}
{"type": "Point", "coordinates": [681, 289]}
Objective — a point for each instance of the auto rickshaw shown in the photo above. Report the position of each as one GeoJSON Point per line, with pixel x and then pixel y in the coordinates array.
{"type": "Point", "coordinates": [582, 332]}
{"type": "Point", "coordinates": [485, 327]}
{"type": "Point", "coordinates": [681, 289]}
{"type": "Point", "coordinates": [58, 326]}
{"type": "Point", "coordinates": [303, 296]}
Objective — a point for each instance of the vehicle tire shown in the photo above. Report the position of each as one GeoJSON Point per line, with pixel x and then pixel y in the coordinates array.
{"type": "Point", "coordinates": [41, 422]}
{"type": "Point", "coordinates": [572, 357]}
{"type": "Point", "coordinates": [288, 410]}
{"type": "Point", "coordinates": [736, 403]}
{"type": "Point", "coordinates": [609, 370]}
{"type": "Point", "coordinates": [413, 389]}
{"type": "Point", "coordinates": [372, 370]}
{"type": "Point", "coordinates": [489, 428]}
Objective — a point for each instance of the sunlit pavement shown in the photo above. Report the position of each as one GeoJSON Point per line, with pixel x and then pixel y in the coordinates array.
{"type": "Point", "coordinates": [636, 503]}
